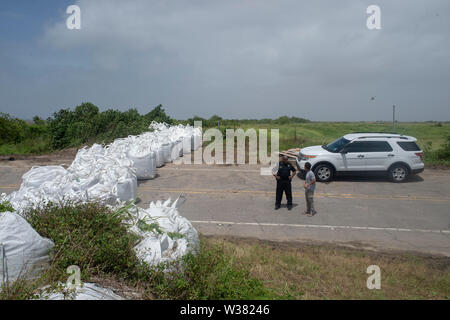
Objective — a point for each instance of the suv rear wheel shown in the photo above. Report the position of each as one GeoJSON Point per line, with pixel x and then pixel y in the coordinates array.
{"type": "Point", "coordinates": [323, 172]}
{"type": "Point", "coordinates": [398, 173]}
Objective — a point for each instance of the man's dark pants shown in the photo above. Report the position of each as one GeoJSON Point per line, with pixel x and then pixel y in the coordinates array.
{"type": "Point", "coordinates": [284, 185]}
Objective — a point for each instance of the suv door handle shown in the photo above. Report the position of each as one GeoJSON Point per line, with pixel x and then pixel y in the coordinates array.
{"type": "Point", "coordinates": [391, 155]}
{"type": "Point", "coordinates": [360, 156]}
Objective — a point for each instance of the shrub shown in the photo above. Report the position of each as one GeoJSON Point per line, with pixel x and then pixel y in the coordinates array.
{"type": "Point", "coordinates": [90, 236]}
{"type": "Point", "coordinates": [16, 131]}
{"type": "Point", "coordinates": [86, 124]}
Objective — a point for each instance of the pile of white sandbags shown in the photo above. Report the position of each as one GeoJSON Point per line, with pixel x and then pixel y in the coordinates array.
{"type": "Point", "coordinates": [93, 175]}
{"type": "Point", "coordinates": [109, 174]}
{"type": "Point", "coordinates": [104, 175]}
{"type": "Point", "coordinates": [180, 140]}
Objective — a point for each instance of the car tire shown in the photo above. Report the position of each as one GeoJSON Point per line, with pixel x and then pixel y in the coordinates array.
{"type": "Point", "coordinates": [398, 173]}
{"type": "Point", "coordinates": [324, 172]}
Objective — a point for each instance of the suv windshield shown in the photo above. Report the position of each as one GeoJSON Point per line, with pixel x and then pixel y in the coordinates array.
{"type": "Point", "coordinates": [336, 145]}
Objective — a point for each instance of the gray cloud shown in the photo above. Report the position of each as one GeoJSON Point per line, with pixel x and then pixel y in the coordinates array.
{"type": "Point", "coordinates": [240, 58]}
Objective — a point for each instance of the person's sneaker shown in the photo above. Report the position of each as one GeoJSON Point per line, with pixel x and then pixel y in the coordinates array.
{"type": "Point", "coordinates": [289, 207]}
{"type": "Point", "coordinates": [277, 207]}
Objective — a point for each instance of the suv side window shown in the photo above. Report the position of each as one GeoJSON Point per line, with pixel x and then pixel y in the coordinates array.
{"type": "Point", "coordinates": [379, 146]}
{"type": "Point", "coordinates": [409, 146]}
{"type": "Point", "coordinates": [357, 146]}
{"type": "Point", "coordinates": [369, 146]}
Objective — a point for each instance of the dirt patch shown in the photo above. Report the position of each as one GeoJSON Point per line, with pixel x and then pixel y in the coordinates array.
{"type": "Point", "coordinates": [438, 166]}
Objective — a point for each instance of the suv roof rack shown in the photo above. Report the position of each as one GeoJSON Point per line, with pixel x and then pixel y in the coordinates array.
{"type": "Point", "coordinates": [388, 137]}
{"type": "Point", "coordinates": [377, 132]}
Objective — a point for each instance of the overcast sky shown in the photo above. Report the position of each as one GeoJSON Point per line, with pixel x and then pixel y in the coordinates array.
{"type": "Point", "coordinates": [235, 58]}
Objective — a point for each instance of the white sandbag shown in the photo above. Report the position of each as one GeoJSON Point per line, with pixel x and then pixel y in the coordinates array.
{"type": "Point", "coordinates": [177, 150]}
{"type": "Point", "coordinates": [178, 236]}
{"type": "Point", "coordinates": [127, 189]}
{"type": "Point", "coordinates": [25, 251]}
{"type": "Point", "coordinates": [38, 175]}
{"type": "Point", "coordinates": [149, 250]}
{"type": "Point", "coordinates": [180, 147]}
{"type": "Point", "coordinates": [88, 291]}
{"type": "Point", "coordinates": [159, 157]}
{"type": "Point", "coordinates": [144, 163]}
{"type": "Point", "coordinates": [167, 150]}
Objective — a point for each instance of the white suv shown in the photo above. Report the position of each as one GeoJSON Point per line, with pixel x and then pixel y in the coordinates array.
{"type": "Point", "coordinates": [395, 154]}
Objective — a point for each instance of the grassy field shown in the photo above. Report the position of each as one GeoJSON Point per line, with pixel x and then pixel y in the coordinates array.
{"type": "Point", "coordinates": [312, 271]}
{"type": "Point", "coordinates": [431, 136]}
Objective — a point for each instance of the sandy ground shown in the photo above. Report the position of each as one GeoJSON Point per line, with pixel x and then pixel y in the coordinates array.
{"type": "Point", "coordinates": [235, 200]}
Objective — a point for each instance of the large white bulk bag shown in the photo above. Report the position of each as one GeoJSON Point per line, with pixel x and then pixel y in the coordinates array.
{"type": "Point", "coordinates": [167, 149]}
{"type": "Point", "coordinates": [149, 249]}
{"type": "Point", "coordinates": [101, 192]}
{"type": "Point", "coordinates": [155, 248]}
{"type": "Point", "coordinates": [38, 175]}
{"type": "Point", "coordinates": [180, 147]}
{"type": "Point", "coordinates": [173, 151]}
{"type": "Point", "coordinates": [177, 150]}
{"type": "Point", "coordinates": [159, 157]}
{"type": "Point", "coordinates": [25, 251]}
{"type": "Point", "coordinates": [145, 164]}
{"type": "Point", "coordinates": [127, 189]}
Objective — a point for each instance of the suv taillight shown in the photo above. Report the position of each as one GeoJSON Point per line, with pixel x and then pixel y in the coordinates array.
{"type": "Point", "coordinates": [420, 155]}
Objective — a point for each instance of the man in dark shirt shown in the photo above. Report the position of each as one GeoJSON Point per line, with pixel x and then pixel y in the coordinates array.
{"type": "Point", "coordinates": [284, 175]}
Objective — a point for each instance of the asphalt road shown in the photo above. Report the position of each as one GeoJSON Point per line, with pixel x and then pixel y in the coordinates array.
{"type": "Point", "coordinates": [356, 211]}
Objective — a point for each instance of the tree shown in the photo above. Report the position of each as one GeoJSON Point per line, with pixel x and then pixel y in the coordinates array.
{"type": "Point", "coordinates": [159, 115]}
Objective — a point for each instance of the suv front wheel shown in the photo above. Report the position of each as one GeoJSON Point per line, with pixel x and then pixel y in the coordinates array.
{"type": "Point", "coordinates": [323, 173]}
{"type": "Point", "coordinates": [398, 173]}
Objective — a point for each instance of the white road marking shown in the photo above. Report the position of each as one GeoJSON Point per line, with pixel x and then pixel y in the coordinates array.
{"type": "Point", "coordinates": [318, 226]}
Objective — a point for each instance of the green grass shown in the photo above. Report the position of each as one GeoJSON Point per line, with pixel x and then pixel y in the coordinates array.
{"type": "Point", "coordinates": [29, 146]}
